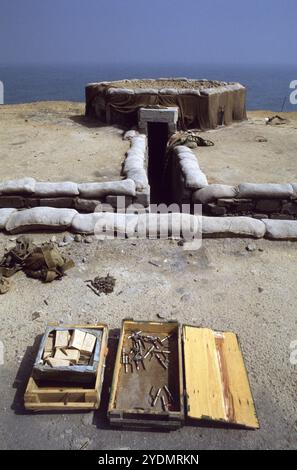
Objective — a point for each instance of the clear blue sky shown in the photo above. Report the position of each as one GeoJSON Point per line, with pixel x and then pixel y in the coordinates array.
{"type": "Point", "coordinates": [148, 31]}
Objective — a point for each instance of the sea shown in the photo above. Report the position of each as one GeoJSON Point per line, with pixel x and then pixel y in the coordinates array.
{"type": "Point", "coordinates": [268, 86]}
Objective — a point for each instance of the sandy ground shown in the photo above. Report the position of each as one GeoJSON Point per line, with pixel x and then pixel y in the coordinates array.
{"type": "Point", "coordinates": [238, 157]}
{"type": "Point", "coordinates": [223, 286]}
{"type": "Point", "coordinates": [53, 141]}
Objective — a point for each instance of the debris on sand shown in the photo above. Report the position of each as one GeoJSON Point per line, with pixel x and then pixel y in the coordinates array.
{"type": "Point", "coordinates": [4, 285]}
{"type": "Point", "coordinates": [190, 138]}
{"type": "Point", "coordinates": [43, 262]}
{"type": "Point", "coordinates": [276, 120]}
{"type": "Point", "coordinates": [101, 285]}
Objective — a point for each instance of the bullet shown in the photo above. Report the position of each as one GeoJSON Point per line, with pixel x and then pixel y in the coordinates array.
{"type": "Point", "coordinates": [170, 397]}
{"type": "Point", "coordinates": [161, 362]}
{"type": "Point", "coordinates": [156, 397]}
{"type": "Point", "coordinates": [164, 404]}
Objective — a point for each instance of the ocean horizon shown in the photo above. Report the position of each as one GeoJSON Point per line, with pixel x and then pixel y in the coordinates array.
{"type": "Point", "coordinates": [268, 86]}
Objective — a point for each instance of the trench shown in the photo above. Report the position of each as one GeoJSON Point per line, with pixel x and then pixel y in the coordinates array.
{"type": "Point", "coordinates": [158, 178]}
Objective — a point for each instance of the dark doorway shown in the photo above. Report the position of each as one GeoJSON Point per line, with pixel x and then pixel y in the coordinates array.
{"type": "Point", "coordinates": [157, 141]}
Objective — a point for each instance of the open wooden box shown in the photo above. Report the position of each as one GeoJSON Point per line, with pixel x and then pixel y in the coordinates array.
{"type": "Point", "coordinates": [42, 394]}
{"type": "Point", "coordinates": [206, 377]}
{"type": "Point", "coordinates": [75, 373]}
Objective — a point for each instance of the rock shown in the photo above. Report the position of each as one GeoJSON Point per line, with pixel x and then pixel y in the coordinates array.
{"type": "Point", "coordinates": [68, 239]}
{"type": "Point", "coordinates": [251, 247]}
{"type": "Point", "coordinates": [268, 205]}
{"type": "Point", "coordinates": [36, 315]}
{"type": "Point", "coordinates": [89, 239]}
{"type": "Point", "coordinates": [78, 238]}
{"type": "Point", "coordinates": [216, 210]}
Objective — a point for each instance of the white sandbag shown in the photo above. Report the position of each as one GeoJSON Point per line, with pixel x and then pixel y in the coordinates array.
{"type": "Point", "coordinates": [118, 225]}
{"type": "Point", "coordinates": [85, 223]}
{"type": "Point", "coordinates": [19, 186]}
{"type": "Point", "coordinates": [139, 176]}
{"type": "Point", "coordinates": [193, 176]}
{"type": "Point", "coordinates": [213, 192]}
{"type": "Point", "coordinates": [146, 91]}
{"type": "Point", "coordinates": [281, 229]}
{"type": "Point", "coordinates": [294, 186]}
{"type": "Point", "coordinates": [176, 225]}
{"type": "Point", "coordinates": [139, 141]}
{"type": "Point", "coordinates": [40, 218]}
{"type": "Point", "coordinates": [134, 164]}
{"type": "Point", "coordinates": [135, 153]}
{"type": "Point", "coordinates": [180, 149]}
{"type": "Point", "coordinates": [265, 190]}
{"type": "Point", "coordinates": [232, 226]}
{"type": "Point", "coordinates": [105, 224]}
{"type": "Point", "coordinates": [49, 189]}
{"type": "Point", "coordinates": [112, 188]}
{"type": "Point", "coordinates": [168, 91]}
{"type": "Point", "coordinates": [120, 91]}
{"type": "Point", "coordinates": [129, 135]}
{"type": "Point", "coordinates": [4, 216]}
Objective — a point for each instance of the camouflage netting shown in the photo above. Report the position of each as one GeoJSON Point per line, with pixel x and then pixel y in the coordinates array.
{"type": "Point", "coordinates": [203, 104]}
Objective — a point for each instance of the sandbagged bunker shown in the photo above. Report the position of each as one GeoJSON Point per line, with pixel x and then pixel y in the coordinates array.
{"type": "Point", "coordinates": [202, 104]}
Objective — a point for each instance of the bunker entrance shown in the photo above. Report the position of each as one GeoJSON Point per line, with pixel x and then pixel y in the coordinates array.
{"type": "Point", "coordinates": [157, 141]}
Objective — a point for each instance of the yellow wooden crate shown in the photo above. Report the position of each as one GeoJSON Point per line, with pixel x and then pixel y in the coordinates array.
{"type": "Point", "coordinates": [40, 396]}
{"type": "Point", "coordinates": [206, 372]}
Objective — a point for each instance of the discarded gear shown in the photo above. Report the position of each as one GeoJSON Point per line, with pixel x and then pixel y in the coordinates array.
{"type": "Point", "coordinates": [191, 139]}
{"type": "Point", "coordinates": [43, 262]}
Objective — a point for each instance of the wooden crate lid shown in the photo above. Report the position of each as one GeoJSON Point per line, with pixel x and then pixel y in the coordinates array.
{"type": "Point", "coordinates": [217, 385]}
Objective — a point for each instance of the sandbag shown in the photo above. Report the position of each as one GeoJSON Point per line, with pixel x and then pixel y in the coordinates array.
{"type": "Point", "coordinates": [49, 189]}
{"type": "Point", "coordinates": [129, 135]}
{"type": "Point", "coordinates": [139, 176]}
{"type": "Point", "coordinates": [40, 218]}
{"type": "Point", "coordinates": [114, 224]}
{"type": "Point", "coordinates": [265, 190]}
{"type": "Point", "coordinates": [19, 186]}
{"type": "Point", "coordinates": [134, 164]}
{"type": "Point", "coordinates": [281, 229]}
{"type": "Point", "coordinates": [168, 91]}
{"type": "Point", "coordinates": [145, 91]}
{"type": "Point", "coordinates": [294, 186]}
{"type": "Point", "coordinates": [105, 224]}
{"type": "Point", "coordinates": [120, 91]}
{"type": "Point", "coordinates": [213, 192]}
{"type": "Point", "coordinates": [193, 176]}
{"type": "Point", "coordinates": [112, 188]}
{"type": "Point", "coordinates": [4, 216]}
{"type": "Point", "coordinates": [175, 225]}
{"type": "Point", "coordinates": [85, 223]}
{"type": "Point", "coordinates": [232, 226]}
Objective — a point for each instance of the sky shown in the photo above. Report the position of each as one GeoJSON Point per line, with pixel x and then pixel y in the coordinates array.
{"type": "Point", "coordinates": [148, 31]}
